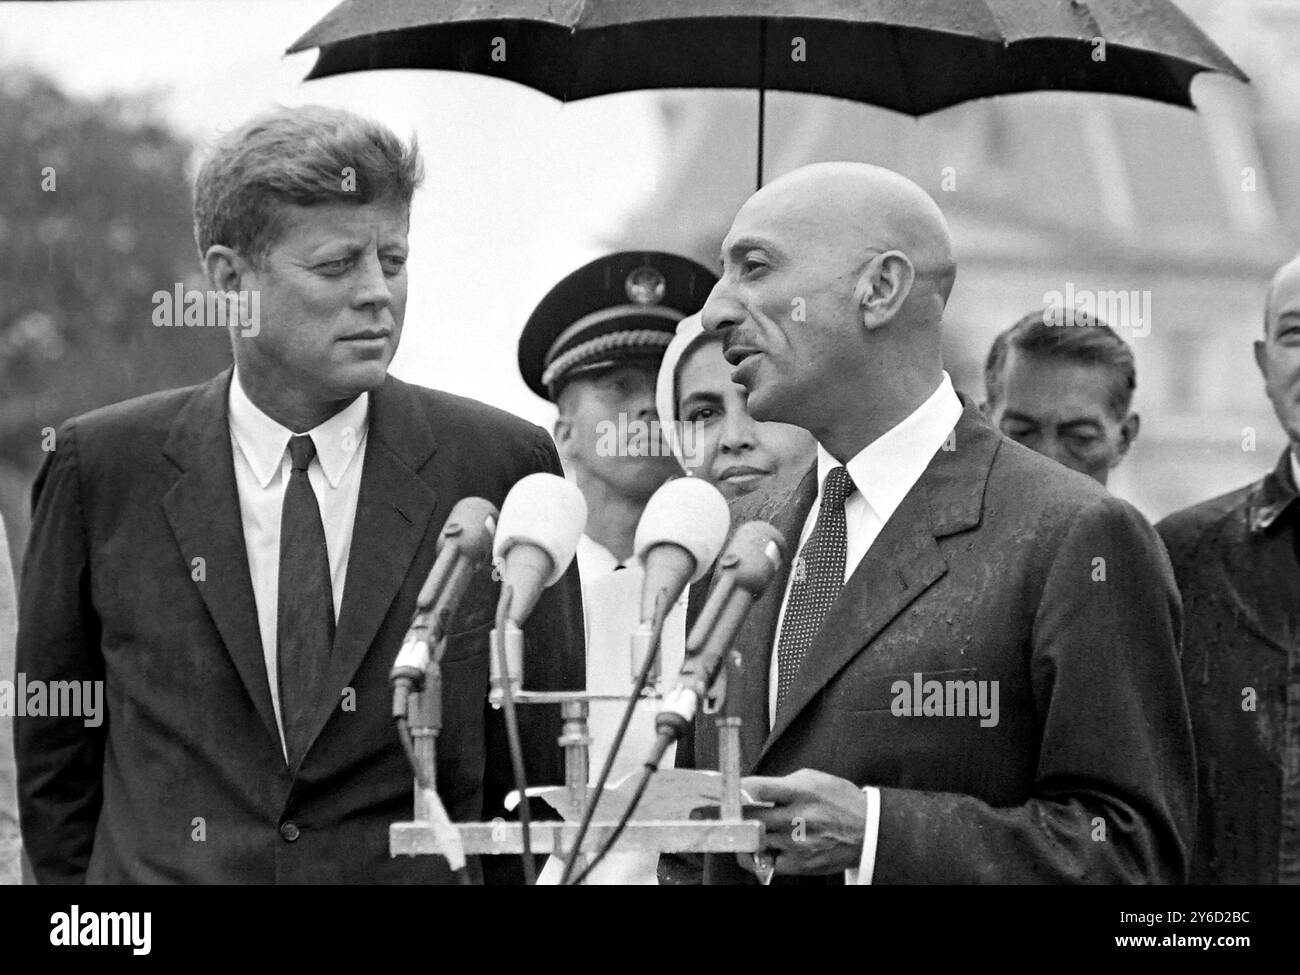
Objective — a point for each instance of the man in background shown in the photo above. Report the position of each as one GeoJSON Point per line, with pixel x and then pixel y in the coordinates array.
{"type": "Point", "coordinates": [1237, 561]}
{"type": "Point", "coordinates": [1063, 386]}
{"type": "Point", "coordinates": [592, 347]}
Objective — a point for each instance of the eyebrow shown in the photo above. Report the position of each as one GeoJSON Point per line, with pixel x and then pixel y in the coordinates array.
{"type": "Point", "coordinates": [1024, 418]}
{"type": "Point", "coordinates": [349, 248]}
{"type": "Point", "coordinates": [705, 396]}
{"type": "Point", "coordinates": [1082, 422]}
{"type": "Point", "coordinates": [749, 243]}
{"type": "Point", "coordinates": [354, 245]}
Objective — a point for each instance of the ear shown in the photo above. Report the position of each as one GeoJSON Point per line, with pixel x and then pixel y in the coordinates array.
{"type": "Point", "coordinates": [224, 268]}
{"type": "Point", "coordinates": [562, 433]}
{"type": "Point", "coordinates": [884, 287]}
{"type": "Point", "coordinates": [1261, 357]}
{"type": "Point", "coordinates": [1128, 433]}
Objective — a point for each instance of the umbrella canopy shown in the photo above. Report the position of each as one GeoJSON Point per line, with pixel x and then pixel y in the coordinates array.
{"type": "Point", "coordinates": [913, 56]}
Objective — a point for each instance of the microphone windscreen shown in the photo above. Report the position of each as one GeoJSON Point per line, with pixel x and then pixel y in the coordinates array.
{"type": "Point", "coordinates": [475, 522]}
{"type": "Point", "coordinates": [688, 512]}
{"type": "Point", "coordinates": [546, 511]}
{"type": "Point", "coordinates": [757, 550]}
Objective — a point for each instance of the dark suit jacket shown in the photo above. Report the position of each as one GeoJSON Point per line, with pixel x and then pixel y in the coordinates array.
{"type": "Point", "coordinates": [185, 780]}
{"type": "Point", "coordinates": [988, 571]}
{"type": "Point", "coordinates": [1235, 558]}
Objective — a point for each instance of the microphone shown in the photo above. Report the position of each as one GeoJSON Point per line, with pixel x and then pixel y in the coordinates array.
{"type": "Point", "coordinates": [744, 571]}
{"type": "Point", "coordinates": [465, 542]}
{"type": "Point", "coordinates": [680, 533]}
{"type": "Point", "coordinates": [537, 536]}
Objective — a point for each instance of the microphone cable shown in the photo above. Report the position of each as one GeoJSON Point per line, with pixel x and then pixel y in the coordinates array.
{"type": "Point", "coordinates": [650, 768]}
{"type": "Point", "coordinates": [643, 678]}
{"type": "Point", "coordinates": [512, 737]}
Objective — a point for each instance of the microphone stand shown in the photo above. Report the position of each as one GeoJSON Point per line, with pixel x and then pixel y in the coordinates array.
{"type": "Point", "coordinates": [433, 834]}
{"type": "Point", "coordinates": [424, 720]}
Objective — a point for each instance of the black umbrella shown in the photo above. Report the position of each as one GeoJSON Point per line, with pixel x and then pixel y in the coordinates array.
{"type": "Point", "coordinates": [913, 56]}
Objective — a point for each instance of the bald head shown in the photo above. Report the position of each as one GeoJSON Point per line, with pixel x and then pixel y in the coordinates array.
{"type": "Point", "coordinates": [857, 209]}
{"type": "Point", "coordinates": [1278, 353]}
{"type": "Point", "coordinates": [1283, 293]}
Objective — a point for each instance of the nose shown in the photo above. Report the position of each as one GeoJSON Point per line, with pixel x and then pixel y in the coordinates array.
{"type": "Point", "coordinates": [372, 287]}
{"type": "Point", "coordinates": [738, 432]}
{"type": "Point", "coordinates": [1051, 447]}
{"type": "Point", "coordinates": [720, 311]}
{"type": "Point", "coordinates": [643, 406]}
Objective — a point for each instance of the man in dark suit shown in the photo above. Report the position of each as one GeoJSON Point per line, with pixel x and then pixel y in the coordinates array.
{"type": "Point", "coordinates": [968, 672]}
{"type": "Point", "coordinates": [1237, 561]}
{"type": "Point", "coordinates": [1061, 383]}
{"type": "Point", "coordinates": [238, 561]}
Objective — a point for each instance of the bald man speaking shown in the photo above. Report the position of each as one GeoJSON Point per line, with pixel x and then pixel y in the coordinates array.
{"type": "Point", "coordinates": [968, 673]}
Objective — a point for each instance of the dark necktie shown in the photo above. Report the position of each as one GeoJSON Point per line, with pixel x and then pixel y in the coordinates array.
{"type": "Point", "coordinates": [304, 627]}
{"type": "Point", "coordinates": [816, 579]}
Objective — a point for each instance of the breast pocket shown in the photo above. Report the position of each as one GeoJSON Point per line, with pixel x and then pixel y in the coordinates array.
{"type": "Point", "coordinates": [912, 730]}
{"type": "Point", "coordinates": [468, 627]}
{"type": "Point", "coordinates": [469, 642]}
{"type": "Point", "coordinates": [907, 693]}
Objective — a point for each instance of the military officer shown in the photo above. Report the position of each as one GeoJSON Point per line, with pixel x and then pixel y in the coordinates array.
{"type": "Point", "coordinates": [593, 347]}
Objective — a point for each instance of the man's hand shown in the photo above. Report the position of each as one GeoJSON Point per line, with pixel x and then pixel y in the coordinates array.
{"type": "Point", "coordinates": [816, 825]}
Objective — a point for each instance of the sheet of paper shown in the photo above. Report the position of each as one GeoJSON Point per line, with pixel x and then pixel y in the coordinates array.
{"type": "Point", "coordinates": [672, 794]}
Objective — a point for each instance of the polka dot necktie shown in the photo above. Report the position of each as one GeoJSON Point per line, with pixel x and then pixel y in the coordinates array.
{"type": "Point", "coordinates": [304, 624]}
{"type": "Point", "coordinates": [816, 579]}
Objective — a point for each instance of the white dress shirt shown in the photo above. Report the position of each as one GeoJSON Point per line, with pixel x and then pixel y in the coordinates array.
{"type": "Point", "coordinates": [261, 452]}
{"type": "Point", "coordinates": [883, 473]}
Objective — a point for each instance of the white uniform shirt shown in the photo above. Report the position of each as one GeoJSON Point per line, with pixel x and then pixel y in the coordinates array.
{"type": "Point", "coordinates": [611, 604]}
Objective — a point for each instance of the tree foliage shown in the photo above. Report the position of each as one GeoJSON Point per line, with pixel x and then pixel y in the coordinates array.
{"type": "Point", "coordinates": [94, 219]}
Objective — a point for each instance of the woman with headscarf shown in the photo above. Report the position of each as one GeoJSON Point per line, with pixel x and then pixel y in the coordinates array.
{"type": "Point", "coordinates": [708, 427]}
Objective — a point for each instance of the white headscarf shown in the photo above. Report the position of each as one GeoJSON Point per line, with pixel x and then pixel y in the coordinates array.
{"type": "Point", "coordinates": [689, 331]}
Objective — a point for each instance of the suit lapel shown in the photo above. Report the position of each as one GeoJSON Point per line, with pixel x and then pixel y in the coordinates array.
{"type": "Point", "coordinates": [393, 511]}
{"type": "Point", "coordinates": [902, 563]}
{"type": "Point", "coordinates": [202, 508]}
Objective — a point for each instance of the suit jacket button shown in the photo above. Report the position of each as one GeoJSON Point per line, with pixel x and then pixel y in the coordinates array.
{"type": "Point", "coordinates": [290, 831]}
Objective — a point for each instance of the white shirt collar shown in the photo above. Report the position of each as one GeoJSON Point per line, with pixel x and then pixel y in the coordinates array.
{"type": "Point", "coordinates": [263, 440]}
{"type": "Point", "coordinates": [886, 469]}
{"type": "Point", "coordinates": [1295, 465]}
{"type": "Point", "coordinates": [594, 559]}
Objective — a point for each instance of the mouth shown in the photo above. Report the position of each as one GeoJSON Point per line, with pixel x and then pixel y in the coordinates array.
{"type": "Point", "coordinates": [368, 335]}
{"type": "Point", "coordinates": [737, 354]}
{"type": "Point", "coordinates": [742, 474]}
